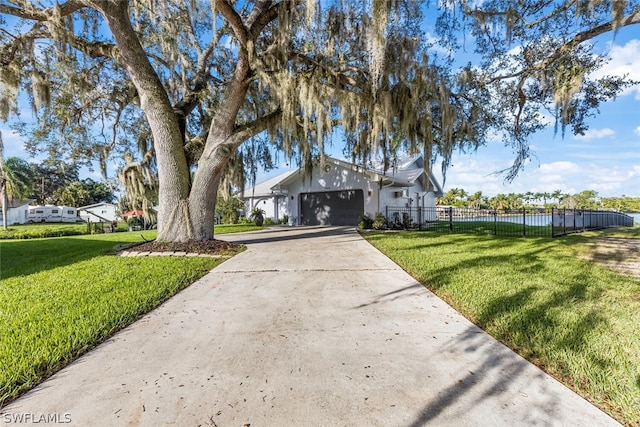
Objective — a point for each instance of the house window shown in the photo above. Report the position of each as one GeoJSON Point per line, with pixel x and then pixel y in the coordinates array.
{"type": "Point", "coordinates": [405, 192]}
{"type": "Point", "coordinates": [104, 212]}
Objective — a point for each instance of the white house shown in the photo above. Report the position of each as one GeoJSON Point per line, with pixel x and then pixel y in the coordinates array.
{"type": "Point", "coordinates": [98, 212]}
{"type": "Point", "coordinates": [338, 192]}
{"type": "Point", "coordinates": [17, 212]}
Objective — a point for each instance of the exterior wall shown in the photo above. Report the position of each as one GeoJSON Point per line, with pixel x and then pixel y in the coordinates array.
{"type": "Point", "coordinates": [338, 178]}
{"type": "Point", "coordinates": [422, 200]}
{"type": "Point", "coordinates": [106, 211]}
{"type": "Point", "coordinates": [17, 215]}
{"type": "Point", "coordinates": [275, 207]}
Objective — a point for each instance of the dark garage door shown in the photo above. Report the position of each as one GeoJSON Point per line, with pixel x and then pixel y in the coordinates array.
{"type": "Point", "coordinates": [331, 207]}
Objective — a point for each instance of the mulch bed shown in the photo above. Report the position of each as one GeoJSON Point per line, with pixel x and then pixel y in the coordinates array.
{"type": "Point", "coordinates": [211, 247]}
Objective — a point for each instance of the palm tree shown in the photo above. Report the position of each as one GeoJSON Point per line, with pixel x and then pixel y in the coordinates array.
{"type": "Point", "coordinates": [18, 177]}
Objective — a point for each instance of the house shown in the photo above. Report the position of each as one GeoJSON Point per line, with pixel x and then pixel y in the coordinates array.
{"type": "Point", "coordinates": [98, 212]}
{"type": "Point", "coordinates": [17, 212]}
{"type": "Point", "coordinates": [338, 192]}
{"type": "Point", "coordinates": [268, 197]}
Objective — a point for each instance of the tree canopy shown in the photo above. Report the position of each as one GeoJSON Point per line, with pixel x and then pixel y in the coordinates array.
{"type": "Point", "coordinates": [192, 93]}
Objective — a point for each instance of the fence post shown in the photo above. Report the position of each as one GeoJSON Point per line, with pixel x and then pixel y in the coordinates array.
{"type": "Point", "coordinates": [564, 221]}
{"type": "Point", "coordinates": [450, 219]}
{"type": "Point", "coordinates": [524, 222]}
{"type": "Point", "coordinates": [419, 218]}
{"type": "Point", "coordinates": [553, 215]}
{"type": "Point", "coordinates": [495, 222]}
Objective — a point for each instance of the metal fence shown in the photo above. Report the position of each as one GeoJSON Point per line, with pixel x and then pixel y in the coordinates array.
{"type": "Point", "coordinates": [566, 221]}
{"type": "Point", "coordinates": [527, 222]}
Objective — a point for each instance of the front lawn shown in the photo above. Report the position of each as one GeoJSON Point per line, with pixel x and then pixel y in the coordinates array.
{"type": "Point", "coordinates": [61, 296]}
{"type": "Point", "coordinates": [576, 320]}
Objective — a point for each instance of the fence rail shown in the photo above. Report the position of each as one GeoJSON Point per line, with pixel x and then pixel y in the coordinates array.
{"type": "Point", "coordinates": [526, 222]}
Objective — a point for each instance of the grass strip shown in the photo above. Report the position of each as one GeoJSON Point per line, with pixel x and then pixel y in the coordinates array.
{"type": "Point", "coordinates": [60, 297]}
{"type": "Point", "coordinates": [576, 320]}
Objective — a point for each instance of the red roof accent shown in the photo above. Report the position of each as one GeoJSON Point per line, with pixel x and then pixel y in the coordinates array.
{"type": "Point", "coordinates": [132, 213]}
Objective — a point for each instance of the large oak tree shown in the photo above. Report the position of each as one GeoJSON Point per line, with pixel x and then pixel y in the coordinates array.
{"type": "Point", "coordinates": [213, 78]}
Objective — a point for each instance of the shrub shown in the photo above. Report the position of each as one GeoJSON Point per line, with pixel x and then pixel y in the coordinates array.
{"type": "Point", "coordinates": [379, 222]}
{"type": "Point", "coordinates": [365, 222]}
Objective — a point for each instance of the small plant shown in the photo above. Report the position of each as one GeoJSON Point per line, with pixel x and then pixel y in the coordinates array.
{"type": "Point", "coordinates": [406, 221]}
{"type": "Point", "coordinates": [379, 222]}
{"type": "Point", "coordinates": [258, 216]}
{"type": "Point", "coordinates": [268, 222]}
{"type": "Point", "coordinates": [365, 222]}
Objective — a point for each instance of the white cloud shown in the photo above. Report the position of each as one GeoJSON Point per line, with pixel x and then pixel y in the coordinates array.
{"type": "Point", "coordinates": [624, 60]}
{"type": "Point", "coordinates": [13, 144]}
{"type": "Point", "coordinates": [475, 173]}
{"type": "Point", "coordinates": [596, 134]}
{"type": "Point", "coordinates": [637, 131]}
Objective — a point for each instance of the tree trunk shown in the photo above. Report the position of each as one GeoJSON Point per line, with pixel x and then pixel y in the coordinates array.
{"type": "Point", "coordinates": [187, 210]}
{"type": "Point", "coordinates": [174, 223]}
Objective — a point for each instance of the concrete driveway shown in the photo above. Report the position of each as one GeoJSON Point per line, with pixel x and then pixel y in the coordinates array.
{"type": "Point", "coordinates": [308, 327]}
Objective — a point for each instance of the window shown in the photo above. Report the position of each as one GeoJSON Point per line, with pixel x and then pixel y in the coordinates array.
{"type": "Point", "coordinates": [70, 212]}
{"type": "Point", "coordinates": [39, 212]}
{"type": "Point", "coordinates": [54, 211]}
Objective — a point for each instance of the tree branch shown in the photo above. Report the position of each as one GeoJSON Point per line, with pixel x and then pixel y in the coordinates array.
{"type": "Point", "coordinates": [29, 11]}
{"type": "Point", "coordinates": [248, 130]}
{"type": "Point", "coordinates": [235, 21]}
{"type": "Point", "coordinates": [263, 19]}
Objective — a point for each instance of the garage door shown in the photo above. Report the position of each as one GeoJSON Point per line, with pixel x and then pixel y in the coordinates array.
{"type": "Point", "coordinates": [331, 207]}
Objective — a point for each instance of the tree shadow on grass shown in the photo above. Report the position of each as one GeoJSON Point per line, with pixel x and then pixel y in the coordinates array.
{"type": "Point", "coordinates": [24, 257]}
{"type": "Point", "coordinates": [540, 315]}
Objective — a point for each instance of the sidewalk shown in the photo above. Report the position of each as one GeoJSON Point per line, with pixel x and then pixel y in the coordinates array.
{"type": "Point", "coordinates": [308, 327]}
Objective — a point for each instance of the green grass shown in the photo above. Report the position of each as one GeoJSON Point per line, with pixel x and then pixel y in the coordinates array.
{"type": "Point", "coordinates": [500, 228]}
{"type": "Point", "coordinates": [61, 296]}
{"type": "Point", "coordinates": [235, 228]}
{"type": "Point", "coordinates": [34, 231]}
{"type": "Point", "coordinates": [576, 320]}
{"type": "Point", "coordinates": [40, 230]}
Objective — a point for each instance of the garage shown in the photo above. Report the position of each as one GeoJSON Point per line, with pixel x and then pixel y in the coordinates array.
{"type": "Point", "coordinates": [331, 207]}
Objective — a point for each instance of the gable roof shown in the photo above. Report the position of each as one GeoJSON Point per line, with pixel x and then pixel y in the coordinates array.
{"type": "Point", "coordinates": [266, 188]}
{"type": "Point", "coordinates": [96, 205]}
{"type": "Point", "coordinates": [411, 168]}
{"type": "Point", "coordinates": [18, 203]}
{"type": "Point", "coordinates": [408, 171]}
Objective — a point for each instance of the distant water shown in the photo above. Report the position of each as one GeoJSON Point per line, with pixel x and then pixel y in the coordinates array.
{"type": "Point", "coordinates": [636, 217]}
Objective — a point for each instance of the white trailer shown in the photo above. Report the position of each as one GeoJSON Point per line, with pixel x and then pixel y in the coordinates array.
{"type": "Point", "coordinates": [51, 213]}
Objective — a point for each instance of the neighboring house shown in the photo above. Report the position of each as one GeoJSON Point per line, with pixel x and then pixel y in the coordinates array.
{"type": "Point", "coordinates": [339, 192]}
{"type": "Point", "coordinates": [98, 212]}
{"type": "Point", "coordinates": [17, 212]}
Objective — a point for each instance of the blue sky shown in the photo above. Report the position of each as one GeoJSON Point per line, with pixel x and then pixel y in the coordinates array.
{"type": "Point", "coordinates": [606, 159]}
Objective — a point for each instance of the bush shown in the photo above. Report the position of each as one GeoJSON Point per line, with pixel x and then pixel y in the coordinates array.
{"type": "Point", "coordinates": [268, 222]}
{"type": "Point", "coordinates": [379, 222]}
{"type": "Point", "coordinates": [365, 222]}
